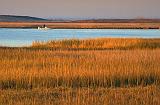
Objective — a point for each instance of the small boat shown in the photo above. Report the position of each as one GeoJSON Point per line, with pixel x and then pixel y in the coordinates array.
{"type": "Point", "coordinates": [43, 28]}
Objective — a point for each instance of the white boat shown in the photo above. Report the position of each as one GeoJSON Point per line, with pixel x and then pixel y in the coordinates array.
{"type": "Point", "coordinates": [43, 28]}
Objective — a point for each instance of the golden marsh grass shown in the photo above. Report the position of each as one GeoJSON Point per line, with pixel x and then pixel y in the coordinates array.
{"type": "Point", "coordinates": [118, 72]}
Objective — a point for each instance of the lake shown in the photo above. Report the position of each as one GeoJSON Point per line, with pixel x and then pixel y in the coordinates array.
{"type": "Point", "coordinates": [25, 37]}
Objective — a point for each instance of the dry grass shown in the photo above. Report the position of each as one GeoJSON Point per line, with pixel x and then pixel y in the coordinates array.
{"type": "Point", "coordinates": [83, 96]}
{"type": "Point", "coordinates": [35, 76]}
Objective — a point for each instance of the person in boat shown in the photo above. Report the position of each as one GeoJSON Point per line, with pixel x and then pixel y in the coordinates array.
{"type": "Point", "coordinates": [44, 26]}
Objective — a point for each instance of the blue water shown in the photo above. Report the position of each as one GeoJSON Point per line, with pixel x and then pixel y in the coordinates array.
{"type": "Point", "coordinates": [25, 37]}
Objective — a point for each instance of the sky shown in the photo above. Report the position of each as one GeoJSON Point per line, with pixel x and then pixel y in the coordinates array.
{"type": "Point", "coordinates": [82, 9]}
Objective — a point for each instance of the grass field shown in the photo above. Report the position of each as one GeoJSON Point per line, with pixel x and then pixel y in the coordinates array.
{"type": "Point", "coordinates": [82, 72]}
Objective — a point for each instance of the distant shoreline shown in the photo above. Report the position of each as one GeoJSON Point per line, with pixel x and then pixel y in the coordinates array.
{"type": "Point", "coordinates": [80, 25]}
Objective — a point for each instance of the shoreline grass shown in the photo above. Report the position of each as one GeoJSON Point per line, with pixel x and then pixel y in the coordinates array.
{"type": "Point", "coordinates": [100, 43]}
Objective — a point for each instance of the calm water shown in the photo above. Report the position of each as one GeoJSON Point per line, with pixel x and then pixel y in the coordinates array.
{"type": "Point", "coordinates": [24, 37]}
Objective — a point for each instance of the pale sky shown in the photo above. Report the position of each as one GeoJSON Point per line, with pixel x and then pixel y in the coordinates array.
{"type": "Point", "coordinates": [82, 8]}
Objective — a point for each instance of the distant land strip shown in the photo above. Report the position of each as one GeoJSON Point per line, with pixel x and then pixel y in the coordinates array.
{"type": "Point", "coordinates": [79, 25]}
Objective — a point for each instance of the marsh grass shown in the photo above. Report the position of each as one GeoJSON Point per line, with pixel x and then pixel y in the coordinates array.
{"type": "Point", "coordinates": [83, 96]}
{"type": "Point", "coordinates": [118, 76]}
